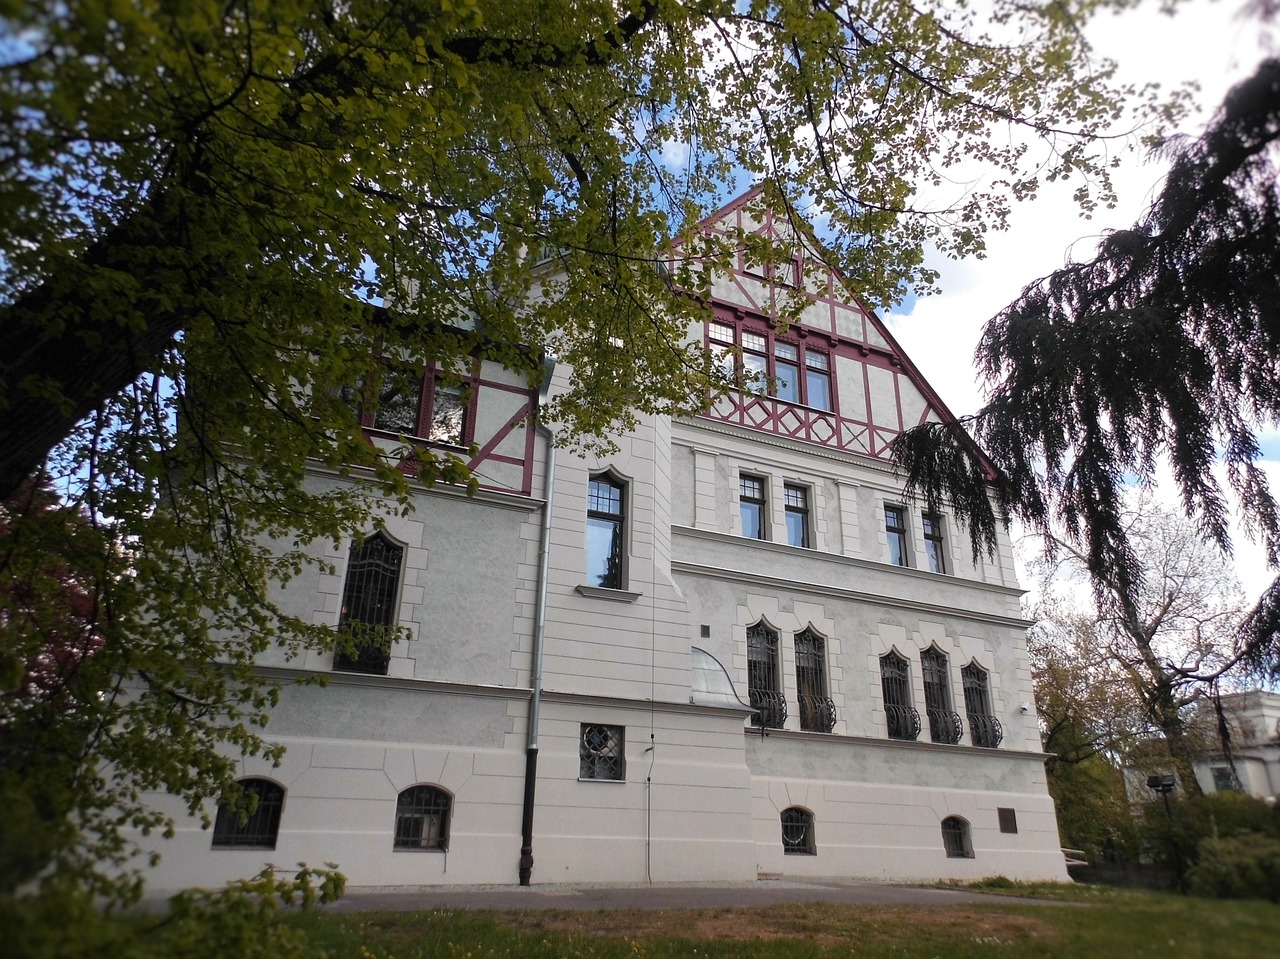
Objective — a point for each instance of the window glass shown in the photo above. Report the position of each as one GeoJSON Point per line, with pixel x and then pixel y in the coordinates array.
{"type": "Point", "coordinates": [422, 819]}
{"type": "Point", "coordinates": [751, 505]}
{"type": "Point", "coordinates": [369, 605]}
{"type": "Point", "coordinates": [764, 686]}
{"type": "Point", "coordinates": [817, 710]}
{"type": "Point", "coordinates": [955, 838]}
{"type": "Point", "coordinates": [720, 333]}
{"type": "Point", "coordinates": [604, 533]}
{"type": "Point", "coordinates": [397, 410]}
{"type": "Point", "coordinates": [933, 544]}
{"type": "Point", "coordinates": [817, 380]}
{"type": "Point", "coordinates": [786, 371]}
{"type": "Point", "coordinates": [447, 410]}
{"type": "Point", "coordinates": [797, 832]}
{"type": "Point", "coordinates": [896, 534]}
{"type": "Point", "coordinates": [241, 829]}
{"type": "Point", "coordinates": [797, 510]}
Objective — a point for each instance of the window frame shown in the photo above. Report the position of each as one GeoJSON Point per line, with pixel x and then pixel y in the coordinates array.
{"type": "Point", "coordinates": [431, 384]}
{"type": "Point", "coordinates": [760, 502]}
{"type": "Point", "coordinates": [368, 656]}
{"type": "Point", "coordinates": [803, 843]}
{"type": "Point", "coordinates": [764, 676]}
{"type": "Point", "coordinates": [957, 838]}
{"type": "Point", "coordinates": [934, 542]}
{"type": "Point", "coordinates": [985, 729]}
{"type": "Point", "coordinates": [440, 806]}
{"type": "Point", "coordinates": [895, 690]}
{"type": "Point", "coordinates": [256, 829]}
{"type": "Point", "coordinates": [800, 509]}
{"type": "Point", "coordinates": [606, 762]}
{"type": "Point", "coordinates": [618, 521]}
{"type": "Point", "coordinates": [896, 534]}
{"type": "Point", "coordinates": [817, 710]}
{"type": "Point", "coordinates": [935, 675]}
{"type": "Point", "coordinates": [765, 360]}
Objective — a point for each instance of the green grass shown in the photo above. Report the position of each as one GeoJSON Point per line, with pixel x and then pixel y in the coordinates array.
{"type": "Point", "coordinates": [1093, 923]}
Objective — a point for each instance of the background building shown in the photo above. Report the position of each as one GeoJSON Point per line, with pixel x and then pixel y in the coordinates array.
{"type": "Point", "coordinates": [747, 653]}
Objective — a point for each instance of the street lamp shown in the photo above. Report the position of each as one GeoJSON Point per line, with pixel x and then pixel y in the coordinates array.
{"type": "Point", "coordinates": [1164, 785]}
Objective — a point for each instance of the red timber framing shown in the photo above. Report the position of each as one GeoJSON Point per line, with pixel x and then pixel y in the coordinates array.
{"type": "Point", "coordinates": [876, 392]}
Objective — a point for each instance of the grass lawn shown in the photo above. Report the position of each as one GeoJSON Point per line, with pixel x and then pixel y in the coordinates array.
{"type": "Point", "coordinates": [1093, 923]}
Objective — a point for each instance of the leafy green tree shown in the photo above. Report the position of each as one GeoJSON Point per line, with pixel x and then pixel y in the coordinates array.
{"type": "Point", "coordinates": [206, 207]}
{"type": "Point", "coordinates": [1162, 347]}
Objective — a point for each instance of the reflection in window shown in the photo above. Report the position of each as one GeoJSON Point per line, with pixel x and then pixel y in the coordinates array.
{"type": "Point", "coordinates": [751, 505]}
{"type": "Point", "coordinates": [817, 377]}
{"type": "Point", "coordinates": [797, 504]}
{"type": "Point", "coordinates": [448, 408]}
{"type": "Point", "coordinates": [895, 529]}
{"type": "Point", "coordinates": [933, 542]}
{"type": "Point", "coordinates": [604, 533]}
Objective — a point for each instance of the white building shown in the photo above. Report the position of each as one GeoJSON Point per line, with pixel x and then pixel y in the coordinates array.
{"type": "Point", "coordinates": [1253, 768]}
{"type": "Point", "coordinates": [763, 553]}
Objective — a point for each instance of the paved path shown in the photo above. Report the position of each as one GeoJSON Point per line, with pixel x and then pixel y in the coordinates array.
{"type": "Point", "coordinates": [655, 896]}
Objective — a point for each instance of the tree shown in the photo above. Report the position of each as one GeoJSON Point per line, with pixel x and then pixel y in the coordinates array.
{"type": "Point", "coordinates": [1125, 678]}
{"type": "Point", "coordinates": [1163, 346]}
{"type": "Point", "coordinates": [217, 220]}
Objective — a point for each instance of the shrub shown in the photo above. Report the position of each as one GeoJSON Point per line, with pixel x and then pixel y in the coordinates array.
{"type": "Point", "coordinates": [1244, 866]}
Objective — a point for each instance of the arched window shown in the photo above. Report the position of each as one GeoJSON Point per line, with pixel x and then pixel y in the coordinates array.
{"type": "Point", "coordinates": [955, 838]}
{"type": "Point", "coordinates": [422, 818]}
{"type": "Point", "coordinates": [944, 722]}
{"type": "Point", "coordinates": [764, 687]}
{"type": "Point", "coordinates": [606, 533]}
{"type": "Point", "coordinates": [895, 684]}
{"type": "Point", "coordinates": [369, 605]}
{"type": "Point", "coordinates": [817, 709]}
{"type": "Point", "coordinates": [983, 726]}
{"type": "Point", "coordinates": [797, 832]}
{"type": "Point", "coordinates": [252, 826]}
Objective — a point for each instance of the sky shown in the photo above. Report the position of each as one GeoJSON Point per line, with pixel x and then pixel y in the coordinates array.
{"type": "Point", "coordinates": [1205, 42]}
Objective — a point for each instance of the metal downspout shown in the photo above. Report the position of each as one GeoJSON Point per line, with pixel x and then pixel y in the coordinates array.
{"type": "Point", "coordinates": [539, 628]}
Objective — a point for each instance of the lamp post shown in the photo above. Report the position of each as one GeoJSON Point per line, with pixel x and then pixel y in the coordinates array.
{"type": "Point", "coordinates": [1164, 785]}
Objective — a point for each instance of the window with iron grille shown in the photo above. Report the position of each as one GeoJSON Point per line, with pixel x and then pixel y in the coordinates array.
{"type": "Point", "coordinates": [895, 685]}
{"type": "Point", "coordinates": [797, 505]}
{"type": "Point", "coordinates": [797, 832]}
{"type": "Point", "coordinates": [602, 752]}
{"type": "Point", "coordinates": [605, 532]}
{"type": "Point", "coordinates": [764, 687]}
{"type": "Point", "coordinates": [984, 728]}
{"type": "Point", "coordinates": [252, 826]}
{"type": "Point", "coordinates": [751, 504]}
{"type": "Point", "coordinates": [817, 710]}
{"type": "Point", "coordinates": [933, 543]}
{"type": "Point", "coordinates": [944, 724]}
{"type": "Point", "coordinates": [422, 819]}
{"type": "Point", "coordinates": [369, 599]}
{"type": "Point", "coordinates": [1008, 817]}
{"type": "Point", "coordinates": [955, 838]}
{"type": "Point", "coordinates": [895, 530]}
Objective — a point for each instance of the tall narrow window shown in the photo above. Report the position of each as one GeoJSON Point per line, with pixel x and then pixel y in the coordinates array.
{"type": "Point", "coordinates": [751, 504]}
{"type": "Point", "coordinates": [817, 378]}
{"type": "Point", "coordinates": [817, 709]}
{"type": "Point", "coordinates": [605, 529]}
{"type": "Point", "coordinates": [786, 371]}
{"type": "Point", "coordinates": [398, 397]}
{"type": "Point", "coordinates": [932, 523]}
{"type": "Point", "coordinates": [422, 819]}
{"type": "Point", "coordinates": [895, 529]}
{"type": "Point", "coordinates": [446, 420]}
{"type": "Point", "coordinates": [895, 684]}
{"type": "Point", "coordinates": [797, 504]}
{"type": "Point", "coordinates": [250, 828]}
{"type": "Point", "coordinates": [983, 725]}
{"type": "Point", "coordinates": [755, 362]}
{"type": "Point", "coordinates": [944, 723]}
{"type": "Point", "coordinates": [955, 838]}
{"type": "Point", "coordinates": [763, 687]}
{"type": "Point", "coordinates": [797, 832]}
{"type": "Point", "coordinates": [369, 606]}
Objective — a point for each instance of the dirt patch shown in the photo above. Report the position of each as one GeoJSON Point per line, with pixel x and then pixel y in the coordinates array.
{"type": "Point", "coordinates": [823, 924]}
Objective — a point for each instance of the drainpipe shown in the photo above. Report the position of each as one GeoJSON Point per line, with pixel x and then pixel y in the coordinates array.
{"type": "Point", "coordinates": [539, 630]}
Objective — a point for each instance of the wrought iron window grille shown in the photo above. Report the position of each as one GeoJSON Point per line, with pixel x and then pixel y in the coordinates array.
{"type": "Point", "coordinates": [422, 819]}
{"type": "Point", "coordinates": [817, 709]}
{"type": "Point", "coordinates": [944, 722]}
{"type": "Point", "coordinates": [984, 729]}
{"type": "Point", "coordinates": [955, 838]}
{"type": "Point", "coordinates": [254, 827]}
{"type": "Point", "coordinates": [902, 718]}
{"type": "Point", "coordinates": [602, 753]}
{"type": "Point", "coordinates": [764, 687]}
{"type": "Point", "coordinates": [368, 614]}
{"type": "Point", "coordinates": [797, 832]}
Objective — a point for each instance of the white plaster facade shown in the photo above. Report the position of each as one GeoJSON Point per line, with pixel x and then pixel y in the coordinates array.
{"type": "Point", "coordinates": [1253, 768]}
{"type": "Point", "coordinates": [703, 789]}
